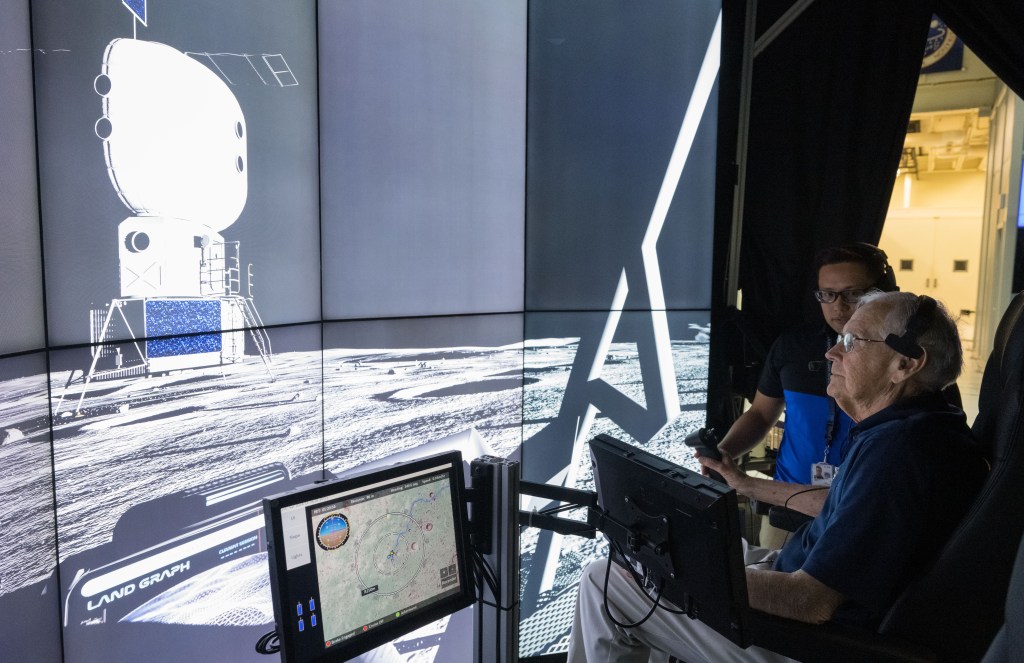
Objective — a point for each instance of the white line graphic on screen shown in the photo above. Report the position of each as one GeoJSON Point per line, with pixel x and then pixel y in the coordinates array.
{"type": "Point", "coordinates": [40, 51]}
{"type": "Point", "coordinates": [584, 398]}
{"type": "Point", "coordinates": [274, 64]}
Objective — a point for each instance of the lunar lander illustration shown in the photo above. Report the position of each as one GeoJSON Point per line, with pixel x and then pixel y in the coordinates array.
{"type": "Point", "coordinates": [174, 141]}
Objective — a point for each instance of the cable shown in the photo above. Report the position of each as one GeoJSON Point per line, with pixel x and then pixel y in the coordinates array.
{"type": "Point", "coordinates": [558, 509]}
{"type": "Point", "coordinates": [812, 489]}
{"type": "Point", "coordinates": [642, 582]}
{"type": "Point", "coordinates": [268, 643]}
{"type": "Point", "coordinates": [607, 611]}
{"type": "Point", "coordinates": [484, 573]}
{"type": "Point", "coordinates": [792, 521]}
{"type": "Point", "coordinates": [585, 528]}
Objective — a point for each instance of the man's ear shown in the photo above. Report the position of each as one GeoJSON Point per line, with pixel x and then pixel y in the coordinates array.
{"type": "Point", "coordinates": [908, 366]}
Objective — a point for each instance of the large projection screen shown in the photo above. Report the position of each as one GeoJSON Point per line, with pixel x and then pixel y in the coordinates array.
{"type": "Point", "coordinates": [422, 130]}
{"type": "Point", "coordinates": [21, 289]}
{"type": "Point", "coordinates": [251, 244]}
{"type": "Point", "coordinates": [622, 121]}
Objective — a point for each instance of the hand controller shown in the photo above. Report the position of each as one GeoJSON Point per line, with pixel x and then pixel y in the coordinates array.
{"type": "Point", "coordinates": [706, 441]}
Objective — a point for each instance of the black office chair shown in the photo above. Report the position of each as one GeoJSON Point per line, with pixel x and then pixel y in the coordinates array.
{"type": "Point", "coordinates": [1009, 642]}
{"type": "Point", "coordinates": [953, 610]}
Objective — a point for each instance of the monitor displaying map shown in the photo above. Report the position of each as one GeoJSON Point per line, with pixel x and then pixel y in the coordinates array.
{"type": "Point", "coordinates": [357, 561]}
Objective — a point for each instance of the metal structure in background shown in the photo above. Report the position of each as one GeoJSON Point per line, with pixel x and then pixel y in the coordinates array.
{"type": "Point", "coordinates": [752, 47]}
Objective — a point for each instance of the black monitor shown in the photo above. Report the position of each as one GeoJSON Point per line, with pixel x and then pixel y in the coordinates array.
{"type": "Point", "coordinates": [683, 528]}
{"type": "Point", "coordinates": [359, 561]}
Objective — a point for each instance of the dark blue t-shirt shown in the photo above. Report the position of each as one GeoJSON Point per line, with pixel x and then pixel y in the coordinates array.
{"type": "Point", "coordinates": [911, 472]}
{"type": "Point", "coordinates": [816, 428]}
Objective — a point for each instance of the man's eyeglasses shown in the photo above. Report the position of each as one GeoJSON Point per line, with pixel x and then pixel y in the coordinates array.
{"type": "Point", "coordinates": [847, 341]}
{"type": "Point", "coordinates": [851, 296]}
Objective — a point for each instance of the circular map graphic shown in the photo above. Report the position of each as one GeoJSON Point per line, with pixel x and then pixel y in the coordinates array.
{"type": "Point", "coordinates": [390, 553]}
{"type": "Point", "coordinates": [332, 532]}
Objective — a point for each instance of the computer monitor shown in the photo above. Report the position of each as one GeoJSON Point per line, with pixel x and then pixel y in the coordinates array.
{"type": "Point", "coordinates": [683, 528]}
{"type": "Point", "coordinates": [359, 561]}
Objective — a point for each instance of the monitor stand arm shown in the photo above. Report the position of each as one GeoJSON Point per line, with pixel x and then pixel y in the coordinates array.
{"type": "Point", "coordinates": [574, 498]}
{"type": "Point", "coordinates": [495, 520]}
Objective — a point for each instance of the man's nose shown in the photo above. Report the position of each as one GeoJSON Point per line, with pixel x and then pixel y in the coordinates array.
{"type": "Point", "coordinates": [842, 304]}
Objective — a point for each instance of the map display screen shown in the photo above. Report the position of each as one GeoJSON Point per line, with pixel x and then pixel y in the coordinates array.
{"type": "Point", "coordinates": [383, 554]}
{"type": "Point", "coordinates": [358, 562]}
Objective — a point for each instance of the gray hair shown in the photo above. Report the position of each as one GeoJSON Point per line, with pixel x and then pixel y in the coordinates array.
{"type": "Point", "coordinates": [940, 339]}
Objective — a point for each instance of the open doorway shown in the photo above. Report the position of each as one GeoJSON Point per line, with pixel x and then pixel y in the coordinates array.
{"type": "Point", "coordinates": [951, 227]}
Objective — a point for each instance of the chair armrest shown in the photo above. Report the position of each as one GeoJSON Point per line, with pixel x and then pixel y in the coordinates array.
{"type": "Point", "coordinates": [787, 519]}
{"type": "Point", "coordinates": [831, 643]}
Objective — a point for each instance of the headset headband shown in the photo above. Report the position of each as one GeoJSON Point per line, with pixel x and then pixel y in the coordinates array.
{"type": "Point", "coordinates": [886, 280]}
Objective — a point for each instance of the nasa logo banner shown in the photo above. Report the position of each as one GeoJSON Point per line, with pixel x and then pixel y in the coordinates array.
{"type": "Point", "coordinates": [943, 51]}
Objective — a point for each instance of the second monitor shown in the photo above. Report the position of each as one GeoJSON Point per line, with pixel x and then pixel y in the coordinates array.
{"type": "Point", "coordinates": [683, 528]}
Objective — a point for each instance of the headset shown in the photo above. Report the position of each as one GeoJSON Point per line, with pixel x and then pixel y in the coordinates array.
{"type": "Point", "coordinates": [906, 344]}
{"type": "Point", "coordinates": [870, 255]}
{"type": "Point", "coordinates": [875, 257]}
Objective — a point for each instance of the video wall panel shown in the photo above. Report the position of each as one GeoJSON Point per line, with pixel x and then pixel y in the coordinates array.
{"type": "Point", "coordinates": [622, 116]}
{"type": "Point", "coordinates": [585, 374]}
{"type": "Point", "coordinates": [395, 385]}
{"type": "Point", "coordinates": [29, 596]}
{"type": "Point", "coordinates": [423, 146]}
{"type": "Point", "coordinates": [158, 487]}
{"type": "Point", "coordinates": [177, 159]}
{"type": "Point", "coordinates": [621, 151]}
{"type": "Point", "coordinates": [21, 291]}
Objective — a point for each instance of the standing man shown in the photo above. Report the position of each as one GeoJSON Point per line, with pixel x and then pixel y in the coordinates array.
{"type": "Point", "coordinates": [794, 379]}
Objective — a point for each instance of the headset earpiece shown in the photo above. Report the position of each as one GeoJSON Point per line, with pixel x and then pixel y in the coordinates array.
{"type": "Point", "coordinates": [906, 344]}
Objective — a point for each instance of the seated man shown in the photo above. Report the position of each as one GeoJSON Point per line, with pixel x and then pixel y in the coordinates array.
{"type": "Point", "coordinates": [890, 508]}
{"type": "Point", "coordinates": [795, 379]}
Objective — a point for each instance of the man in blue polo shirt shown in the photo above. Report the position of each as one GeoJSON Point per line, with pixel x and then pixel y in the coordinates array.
{"type": "Point", "coordinates": [887, 513]}
{"type": "Point", "coordinates": [794, 379]}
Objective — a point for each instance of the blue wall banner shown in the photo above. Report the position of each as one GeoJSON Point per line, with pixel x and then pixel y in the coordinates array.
{"type": "Point", "coordinates": [943, 51]}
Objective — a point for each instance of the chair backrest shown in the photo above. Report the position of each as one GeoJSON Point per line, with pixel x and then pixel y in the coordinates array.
{"type": "Point", "coordinates": [1009, 642]}
{"type": "Point", "coordinates": [957, 605]}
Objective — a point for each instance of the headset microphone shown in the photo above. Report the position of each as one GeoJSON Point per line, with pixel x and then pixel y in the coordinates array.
{"type": "Point", "coordinates": [816, 365]}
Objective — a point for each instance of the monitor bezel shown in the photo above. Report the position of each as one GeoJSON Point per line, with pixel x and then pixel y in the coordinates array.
{"type": "Point", "coordinates": [281, 579]}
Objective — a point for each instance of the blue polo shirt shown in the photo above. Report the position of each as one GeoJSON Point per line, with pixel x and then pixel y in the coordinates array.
{"type": "Point", "coordinates": [816, 428]}
{"type": "Point", "coordinates": [911, 472]}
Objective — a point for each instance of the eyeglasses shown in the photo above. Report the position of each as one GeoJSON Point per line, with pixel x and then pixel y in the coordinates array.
{"type": "Point", "coordinates": [851, 296]}
{"type": "Point", "coordinates": [847, 341]}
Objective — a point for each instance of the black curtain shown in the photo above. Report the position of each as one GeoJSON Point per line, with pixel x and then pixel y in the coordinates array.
{"type": "Point", "coordinates": [830, 103]}
{"type": "Point", "coordinates": [994, 30]}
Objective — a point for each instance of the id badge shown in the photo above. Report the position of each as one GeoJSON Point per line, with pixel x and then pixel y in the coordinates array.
{"type": "Point", "coordinates": [822, 473]}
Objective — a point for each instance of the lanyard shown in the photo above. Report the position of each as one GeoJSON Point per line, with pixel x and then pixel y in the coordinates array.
{"type": "Point", "coordinates": [830, 427]}
{"type": "Point", "coordinates": [833, 409]}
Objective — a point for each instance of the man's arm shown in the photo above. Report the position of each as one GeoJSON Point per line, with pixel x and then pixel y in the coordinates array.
{"type": "Point", "coordinates": [752, 426]}
{"type": "Point", "coordinates": [796, 595]}
{"type": "Point", "coordinates": [797, 496]}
